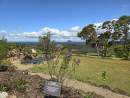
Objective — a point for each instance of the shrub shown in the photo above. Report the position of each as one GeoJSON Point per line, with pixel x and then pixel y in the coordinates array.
{"type": "Point", "coordinates": [59, 60]}
{"type": "Point", "coordinates": [3, 88]}
{"type": "Point", "coordinates": [119, 51]}
{"type": "Point", "coordinates": [62, 65]}
{"type": "Point", "coordinates": [104, 75]}
{"type": "Point", "coordinates": [20, 85]}
{"type": "Point", "coordinates": [3, 49]}
{"type": "Point", "coordinates": [88, 97]}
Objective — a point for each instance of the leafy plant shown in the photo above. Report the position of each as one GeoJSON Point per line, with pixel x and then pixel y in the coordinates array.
{"type": "Point", "coordinates": [62, 65]}
{"type": "Point", "coordinates": [88, 96]}
{"type": "Point", "coordinates": [59, 60]}
{"type": "Point", "coordinates": [104, 75]}
{"type": "Point", "coordinates": [3, 49]}
{"type": "Point", "coordinates": [20, 85]}
{"type": "Point", "coordinates": [3, 88]}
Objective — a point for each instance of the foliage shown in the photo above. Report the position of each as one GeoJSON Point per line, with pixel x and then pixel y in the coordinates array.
{"type": "Point", "coordinates": [20, 85]}
{"type": "Point", "coordinates": [88, 33]}
{"type": "Point", "coordinates": [123, 25]}
{"type": "Point", "coordinates": [45, 44]}
{"type": "Point", "coordinates": [62, 65]}
{"type": "Point", "coordinates": [59, 60]}
{"type": "Point", "coordinates": [104, 75]}
{"type": "Point", "coordinates": [120, 52]}
{"type": "Point", "coordinates": [112, 31]}
{"type": "Point", "coordinates": [3, 49]}
{"type": "Point", "coordinates": [88, 97]}
{"type": "Point", "coordinates": [3, 88]}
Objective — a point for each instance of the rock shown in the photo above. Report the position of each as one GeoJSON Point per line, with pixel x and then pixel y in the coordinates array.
{"type": "Point", "coordinates": [3, 94]}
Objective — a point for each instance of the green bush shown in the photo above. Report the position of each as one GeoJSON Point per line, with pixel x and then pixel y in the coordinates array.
{"type": "Point", "coordinates": [3, 49]}
{"type": "Point", "coordinates": [119, 52]}
{"type": "Point", "coordinates": [88, 97]}
{"type": "Point", "coordinates": [3, 88]}
{"type": "Point", "coordinates": [20, 85]}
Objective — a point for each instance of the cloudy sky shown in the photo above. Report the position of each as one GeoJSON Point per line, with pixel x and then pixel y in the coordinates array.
{"type": "Point", "coordinates": [25, 20]}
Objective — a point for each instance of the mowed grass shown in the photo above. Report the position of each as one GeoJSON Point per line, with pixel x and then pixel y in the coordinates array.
{"type": "Point", "coordinates": [90, 69]}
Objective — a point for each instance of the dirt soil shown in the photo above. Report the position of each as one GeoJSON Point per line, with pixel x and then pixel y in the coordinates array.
{"type": "Point", "coordinates": [33, 85]}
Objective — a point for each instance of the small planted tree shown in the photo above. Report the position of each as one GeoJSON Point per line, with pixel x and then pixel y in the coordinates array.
{"type": "Point", "coordinates": [60, 62]}
{"type": "Point", "coordinates": [62, 65]}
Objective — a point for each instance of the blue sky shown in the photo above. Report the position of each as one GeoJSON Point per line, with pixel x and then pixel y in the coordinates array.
{"type": "Point", "coordinates": [26, 18]}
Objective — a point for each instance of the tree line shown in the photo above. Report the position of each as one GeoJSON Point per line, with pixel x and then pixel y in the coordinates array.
{"type": "Point", "coordinates": [112, 32]}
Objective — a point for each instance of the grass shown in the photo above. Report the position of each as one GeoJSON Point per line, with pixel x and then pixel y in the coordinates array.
{"type": "Point", "coordinates": [90, 69]}
{"type": "Point", "coordinates": [39, 69]}
{"type": "Point", "coordinates": [117, 72]}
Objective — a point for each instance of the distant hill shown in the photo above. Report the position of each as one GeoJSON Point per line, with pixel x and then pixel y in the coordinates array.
{"type": "Point", "coordinates": [78, 47]}
{"type": "Point", "coordinates": [35, 43]}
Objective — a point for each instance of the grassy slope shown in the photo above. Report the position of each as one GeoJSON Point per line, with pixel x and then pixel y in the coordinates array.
{"type": "Point", "coordinates": [90, 69]}
{"type": "Point", "coordinates": [118, 72]}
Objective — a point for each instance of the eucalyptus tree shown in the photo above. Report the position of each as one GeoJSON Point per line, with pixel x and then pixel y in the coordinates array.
{"type": "Point", "coordinates": [106, 36]}
{"type": "Point", "coordinates": [122, 26]}
{"type": "Point", "coordinates": [89, 34]}
{"type": "Point", "coordinates": [103, 39]}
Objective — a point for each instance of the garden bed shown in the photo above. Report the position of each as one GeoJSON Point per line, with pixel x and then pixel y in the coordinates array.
{"type": "Point", "coordinates": [23, 85]}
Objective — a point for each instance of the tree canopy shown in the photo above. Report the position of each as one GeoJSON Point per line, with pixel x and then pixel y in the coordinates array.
{"type": "Point", "coordinates": [113, 30]}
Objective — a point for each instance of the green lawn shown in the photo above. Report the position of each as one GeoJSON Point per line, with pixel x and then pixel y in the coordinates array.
{"type": "Point", "coordinates": [90, 69]}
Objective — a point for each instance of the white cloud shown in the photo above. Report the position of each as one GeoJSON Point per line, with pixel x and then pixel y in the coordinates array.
{"type": "Point", "coordinates": [56, 34]}
{"type": "Point", "coordinates": [98, 24]}
{"type": "Point", "coordinates": [75, 29]}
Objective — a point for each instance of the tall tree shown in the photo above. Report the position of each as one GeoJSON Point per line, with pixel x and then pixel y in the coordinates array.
{"type": "Point", "coordinates": [123, 26]}
{"type": "Point", "coordinates": [105, 37]}
{"type": "Point", "coordinates": [89, 34]}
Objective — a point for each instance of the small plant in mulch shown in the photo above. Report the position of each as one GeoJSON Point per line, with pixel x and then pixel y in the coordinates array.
{"type": "Point", "coordinates": [3, 88]}
{"type": "Point", "coordinates": [20, 85]}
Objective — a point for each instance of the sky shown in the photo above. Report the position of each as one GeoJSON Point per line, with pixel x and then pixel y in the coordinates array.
{"type": "Point", "coordinates": [26, 20]}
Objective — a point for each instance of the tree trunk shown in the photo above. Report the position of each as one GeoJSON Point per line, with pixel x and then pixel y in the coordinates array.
{"type": "Point", "coordinates": [97, 48]}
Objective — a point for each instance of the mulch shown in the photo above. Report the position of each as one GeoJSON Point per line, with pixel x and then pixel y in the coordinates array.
{"type": "Point", "coordinates": [34, 84]}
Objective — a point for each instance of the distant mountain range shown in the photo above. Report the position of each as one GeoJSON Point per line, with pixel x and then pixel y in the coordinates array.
{"type": "Point", "coordinates": [35, 43]}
